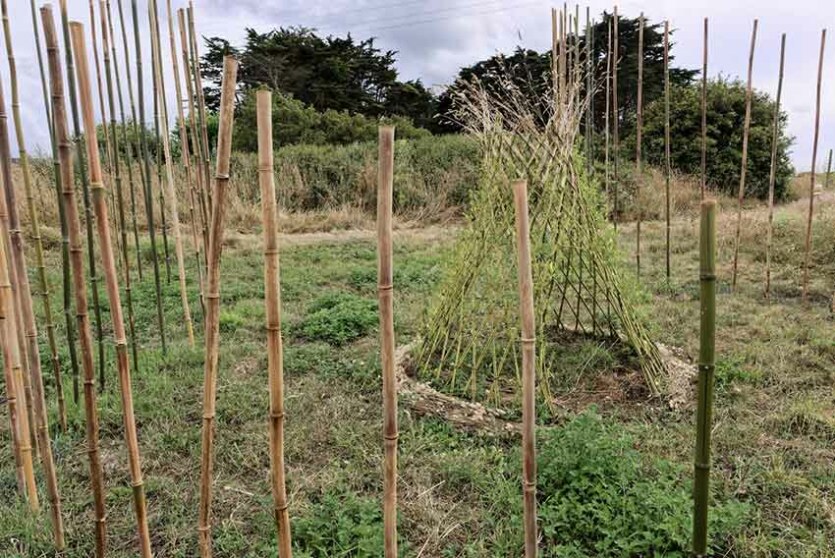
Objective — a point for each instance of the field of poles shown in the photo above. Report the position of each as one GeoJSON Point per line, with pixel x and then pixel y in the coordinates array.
{"type": "Point", "coordinates": [112, 266]}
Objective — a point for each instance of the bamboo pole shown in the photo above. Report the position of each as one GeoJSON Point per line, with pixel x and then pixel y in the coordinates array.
{"type": "Point", "coordinates": [385, 181]}
{"type": "Point", "coordinates": [59, 112]}
{"type": "Point", "coordinates": [528, 331]}
{"type": "Point", "coordinates": [94, 41]}
{"type": "Point", "coordinates": [185, 151]}
{"type": "Point", "coordinates": [34, 223]}
{"type": "Point", "coordinates": [775, 138]}
{"type": "Point", "coordinates": [159, 109]}
{"type": "Point", "coordinates": [85, 187]}
{"type": "Point", "coordinates": [112, 287]}
{"type": "Point", "coordinates": [272, 298]}
{"type": "Point", "coordinates": [608, 107]}
{"type": "Point", "coordinates": [615, 119]}
{"type": "Point", "coordinates": [590, 97]}
{"type": "Point", "coordinates": [146, 158]}
{"type": "Point", "coordinates": [707, 361]}
{"type": "Point", "coordinates": [65, 239]}
{"type": "Point", "coordinates": [638, 139]}
{"type": "Point", "coordinates": [202, 198]}
{"type": "Point", "coordinates": [169, 175]}
{"type": "Point", "coordinates": [746, 130]}
{"type": "Point", "coordinates": [13, 368]}
{"type": "Point", "coordinates": [117, 171]}
{"type": "Point", "coordinates": [212, 335]}
{"type": "Point", "coordinates": [133, 151]}
{"type": "Point", "coordinates": [668, 170]}
{"type": "Point", "coordinates": [201, 103]}
{"type": "Point", "coordinates": [828, 171]}
{"type": "Point", "coordinates": [704, 111]}
{"type": "Point", "coordinates": [41, 424]}
{"type": "Point", "coordinates": [813, 173]}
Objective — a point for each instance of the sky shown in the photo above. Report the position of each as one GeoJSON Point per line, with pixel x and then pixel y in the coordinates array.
{"type": "Point", "coordinates": [435, 38]}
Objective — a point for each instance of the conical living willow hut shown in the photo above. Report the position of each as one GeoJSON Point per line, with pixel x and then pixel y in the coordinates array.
{"type": "Point", "coordinates": [471, 336]}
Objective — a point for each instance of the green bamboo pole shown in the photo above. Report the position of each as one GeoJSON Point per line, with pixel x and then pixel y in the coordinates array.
{"type": "Point", "coordinates": [146, 157]}
{"type": "Point", "coordinates": [26, 170]}
{"type": "Point", "coordinates": [117, 175]}
{"type": "Point", "coordinates": [85, 188]}
{"type": "Point", "coordinates": [812, 175]}
{"type": "Point", "coordinates": [159, 108]}
{"type": "Point", "coordinates": [668, 170]}
{"type": "Point", "coordinates": [69, 323]}
{"type": "Point", "coordinates": [132, 146]}
{"type": "Point", "coordinates": [828, 171]}
{"type": "Point", "coordinates": [746, 128]}
{"type": "Point", "coordinates": [707, 361]}
{"type": "Point", "coordinates": [704, 111]}
{"type": "Point", "coordinates": [775, 137]}
{"type": "Point", "coordinates": [162, 124]}
{"type": "Point", "coordinates": [62, 139]}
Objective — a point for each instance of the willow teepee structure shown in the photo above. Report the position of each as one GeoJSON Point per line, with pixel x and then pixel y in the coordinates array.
{"type": "Point", "coordinates": [471, 335]}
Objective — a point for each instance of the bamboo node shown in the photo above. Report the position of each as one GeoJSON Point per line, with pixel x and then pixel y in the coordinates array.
{"type": "Point", "coordinates": [383, 288]}
{"type": "Point", "coordinates": [528, 340]}
{"type": "Point", "coordinates": [96, 185]}
{"type": "Point", "coordinates": [273, 328]}
{"type": "Point", "coordinates": [277, 416]}
{"type": "Point", "coordinates": [219, 176]}
{"type": "Point", "coordinates": [390, 437]}
{"type": "Point", "coordinates": [702, 466]}
{"type": "Point", "coordinates": [707, 368]}
{"type": "Point", "coordinates": [707, 276]}
{"type": "Point", "coordinates": [262, 168]}
{"type": "Point", "coordinates": [204, 528]}
{"type": "Point", "coordinates": [271, 252]}
{"type": "Point", "coordinates": [212, 295]}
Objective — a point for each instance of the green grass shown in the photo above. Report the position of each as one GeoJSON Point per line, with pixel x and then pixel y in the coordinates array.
{"type": "Point", "coordinates": [613, 481]}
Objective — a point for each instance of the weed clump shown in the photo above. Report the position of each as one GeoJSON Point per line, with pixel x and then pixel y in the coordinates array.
{"type": "Point", "coordinates": [338, 319]}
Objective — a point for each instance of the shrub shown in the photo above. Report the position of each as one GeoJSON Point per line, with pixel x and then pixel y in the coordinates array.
{"type": "Point", "coordinates": [338, 318]}
{"type": "Point", "coordinates": [599, 497]}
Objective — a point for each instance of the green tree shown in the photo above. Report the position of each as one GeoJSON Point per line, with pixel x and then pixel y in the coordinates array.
{"type": "Point", "coordinates": [725, 119]}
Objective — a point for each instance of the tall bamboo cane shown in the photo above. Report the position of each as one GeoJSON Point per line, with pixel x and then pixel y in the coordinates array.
{"type": "Point", "coordinates": [94, 41]}
{"type": "Point", "coordinates": [828, 171]}
{"type": "Point", "coordinates": [813, 173]}
{"type": "Point", "coordinates": [707, 360]}
{"type": "Point", "coordinates": [212, 335]}
{"type": "Point", "coordinates": [201, 103]}
{"type": "Point", "coordinates": [59, 113]}
{"type": "Point", "coordinates": [272, 298]}
{"type": "Point", "coordinates": [146, 158]}
{"type": "Point", "coordinates": [202, 198]}
{"type": "Point", "coordinates": [69, 324]}
{"type": "Point", "coordinates": [385, 181]}
{"type": "Point", "coordinates": [117, 173]}
{"type": "Point", "coordinates": [85, 186]}
{"type": "Point", "coordinates": [746, 129]}
{"type": "Point", "coordinates": [112, 284]}
{"type": "Point", "coordinates": [133, 150]}
{"type": "Point", "coordinates": [608, 107]}
{"type": "Point", "coordinates": [13, 368]}
{"type": "Point", "coordinates": [638, 138]}
{"type": "Point", "coordinates": [526, 311]}
{"type": "Point", "coordinates": [159, 108]}
{"type": "Point", "coordinates": [668, 170]}
{"type": "Point", "coordinates": [185, 150]}
{"type": "Point", "coordinates": [615, 119]}
{"type": "Point", "coordinates": [704, 110]}
{"type": "Point", "coordinates": [26, 170]}
{"type": "Point", "coordinates": [169, 172]}
{"type": "Point", "coordinates": [775, 138]}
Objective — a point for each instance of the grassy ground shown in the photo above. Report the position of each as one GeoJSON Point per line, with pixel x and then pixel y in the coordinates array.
{"type": "Point", "coordinates": [613, 482]}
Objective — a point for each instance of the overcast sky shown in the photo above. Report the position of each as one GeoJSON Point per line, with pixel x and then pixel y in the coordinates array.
{"type": "Point", "coordinates": [434, 38]}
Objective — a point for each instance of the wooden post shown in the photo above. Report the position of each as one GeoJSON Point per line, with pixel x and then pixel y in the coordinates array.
{"type": "Point", "coordinates": [146, 158]}
{"type": "Point", "coordinates": [59, 116]}
{"type": "Point", "coordinates": [746, 128]}
{"type": "Point", "coordinates": [34, 223]}
{"type": "Point", "coordinates": [112, 287]}
{"type": "Point", "coordinates": [707, 360]}
{"type": "Point", "coordinates": [813, 175]}
{"type": "Point", "coordinates": [212, 336]}
{"type": "Point", "coordinates": [69, 60]}
{"type": "Point", "coordinates": [66, 276]}
{"type": "Point", "coordinates": [185, 151]}
{"type": "Point", "coordinates": [169, 175]}
{"type": "Point", "coordinates": [775, 138]}
{"type": "Point", "coordinates": [704, 111]}
{"type": "Point", "coordinates": [272, 298]}
{"type": "Point", "coordinates": [638, 138]}
{"type": "Point", "coordinates": [526, 310]}
{"type": "Point", "coordinates": [668, 170]}
{"type": "Point", "coordinates": [385, 184]}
